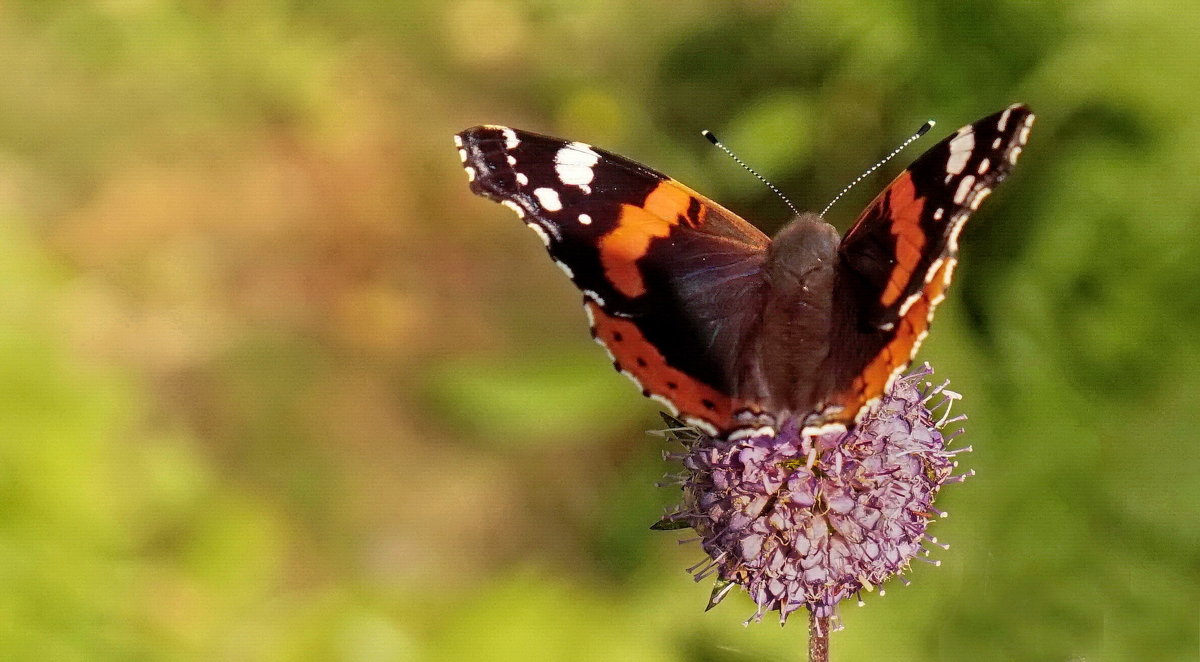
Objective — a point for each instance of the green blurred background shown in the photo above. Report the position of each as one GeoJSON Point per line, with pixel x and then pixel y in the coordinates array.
{"type": "Point", "coordinates": [277, 387]}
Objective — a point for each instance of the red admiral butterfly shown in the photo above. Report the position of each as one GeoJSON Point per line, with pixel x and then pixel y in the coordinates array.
{"type": "Point", "coordinates": [731, 330]}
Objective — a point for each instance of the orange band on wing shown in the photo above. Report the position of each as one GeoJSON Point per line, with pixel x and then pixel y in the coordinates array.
{"type": "Point", "coordinates": [906, 207]}
{"type": "Point", "coordinates": [876, 377]}
{"type": "Point", "coordinates": [638, 225]}
{"type": "Point", "coordinates": [641, 360]}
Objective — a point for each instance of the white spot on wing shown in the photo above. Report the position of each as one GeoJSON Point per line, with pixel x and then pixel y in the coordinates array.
{"type": "Point", "coordinates": [870, 404]}
{"type": "Point", "coordinates": [462, 154]}
{"type": "Point", "coordinates": [470, 173]}
{"type": "Point", "coordinates": [510, 139]}
{"type": "Point", "coordinates": [574, 163]}
{"type": "Point", "coordinates": [594, 297]}
{"type": "Point", "coordinates": [746, 433]}
{"type": "Point", "coordinates": [565, 269]}
{"type": "Point", "coordinates": [952, 240]}
{"type": "Point", "coordinates": [700, 423]}
{"type": "Point", "coordinates": [548, 198]}
{"type": "Point", "coordinates": [979, 197]}
{"type": "Point", "coordinates": [537, 229]}
{"type": "Point", "coordinates": [1012, 156]}
{"type": "Point", "coordinates": [964, 187]}
{"type": "Point", "coordinates": [996, 143]}
{"type": "Point", "coordinates": [585, 219]}
{"type": "Point", "coordinates": [591, 316]}
{"type": "Point", "coordinates": [674, 410]}
{"type": "Point", "coordinates": [1004, 119]}
{"type": "Point", "coordinates": [636, 382]}
{"type": "Point", "coordinates": [984, 165]}
{"type": "Point", "coordinates": [961, 148]}
{"type": "Point", "coordinates": [933, 269]}
{"type": "Point", "coordinates": [515, 207]}
{"type": "Point", "coordinates": [909, 302]}
{"type": "Point", "coordinates": [458, 140]}
{"type": "Point", "coordinates": [522, 179]}
{"type": "Point", "coordinates": [950, 264]}
{"type": "Point", "coordinates": [512, 160]}
{"type": "Point", "coordinates": [598, 339]}
{"type": "Point", "coordinates": [937, 213]}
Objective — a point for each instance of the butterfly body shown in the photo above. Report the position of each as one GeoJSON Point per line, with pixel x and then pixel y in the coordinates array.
{"type": "Point", "coordinates": [793, 339]}
{"type": "Point", "coordinates": [731, 330]}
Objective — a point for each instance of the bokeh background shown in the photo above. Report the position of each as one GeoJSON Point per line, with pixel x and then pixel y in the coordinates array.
{"type": "Point", "coordinates": [275, 386]}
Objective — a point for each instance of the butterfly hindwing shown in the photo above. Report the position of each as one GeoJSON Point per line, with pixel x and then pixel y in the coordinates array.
{"type": "Point", "coordinates": [670, 278]}
{"type": "Point", "coordinates": [897, 259]}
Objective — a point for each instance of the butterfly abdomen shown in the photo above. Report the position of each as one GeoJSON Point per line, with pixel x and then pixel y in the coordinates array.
{"type": "Point", "coordinates": [793, 339]}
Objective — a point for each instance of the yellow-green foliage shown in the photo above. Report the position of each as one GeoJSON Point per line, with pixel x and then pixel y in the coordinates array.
{"type": "Point", "coordinates": [275, 386]}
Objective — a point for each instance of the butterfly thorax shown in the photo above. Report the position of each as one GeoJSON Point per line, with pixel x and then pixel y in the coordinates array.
{"type": "Point", "coordinates": [793, 337]}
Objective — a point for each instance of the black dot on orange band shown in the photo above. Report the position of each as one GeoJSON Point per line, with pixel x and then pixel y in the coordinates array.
{"type": "Point", "coordinates": [708, 404]}
{"type": "Point", "coordinates": [693, 211]}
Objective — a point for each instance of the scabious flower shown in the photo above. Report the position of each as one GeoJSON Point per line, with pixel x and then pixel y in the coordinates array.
{"type": "Point", "coordinates": [807, 520]}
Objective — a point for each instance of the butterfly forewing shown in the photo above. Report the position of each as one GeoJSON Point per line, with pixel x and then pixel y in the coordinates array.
{"type": "Point", "coordinates": [894, 246]}
{"type": "Point", "coordinates": [898, 258]}
{"type": "Point", "coordinates": [661, 267]}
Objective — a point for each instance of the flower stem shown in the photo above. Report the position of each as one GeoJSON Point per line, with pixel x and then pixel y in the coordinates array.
{"type": "Point", "coordinates": [818, 638]}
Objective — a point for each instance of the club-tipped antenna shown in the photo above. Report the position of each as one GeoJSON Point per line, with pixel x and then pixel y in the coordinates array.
{"type": "Point", "coordinates": [713, 139]}
{"type": "Point", "coordinates": [920, 132]}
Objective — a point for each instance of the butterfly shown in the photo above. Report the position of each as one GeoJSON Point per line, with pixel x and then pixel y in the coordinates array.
{"type": "Point", "coordinates": [733, 331]}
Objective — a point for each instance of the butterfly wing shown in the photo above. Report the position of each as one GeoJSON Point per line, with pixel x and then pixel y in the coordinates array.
{"type": "Point", "coordinates": [897, 259]}
{"type": "Point", "coordinates": [672, 281]}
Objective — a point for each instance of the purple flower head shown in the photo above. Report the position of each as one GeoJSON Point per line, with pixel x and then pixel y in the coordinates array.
{"type": "Point", "coordinates": [807, 519]}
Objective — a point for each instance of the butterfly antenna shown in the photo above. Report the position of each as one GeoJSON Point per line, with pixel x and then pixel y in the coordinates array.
{"type": "Point", "coordinates": [920, 132]}
{"type": "Point", "coordinates": [713, 139]}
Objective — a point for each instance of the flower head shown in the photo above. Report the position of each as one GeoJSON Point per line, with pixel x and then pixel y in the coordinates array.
{"type": "Point", "coordinates": [805, 519]}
